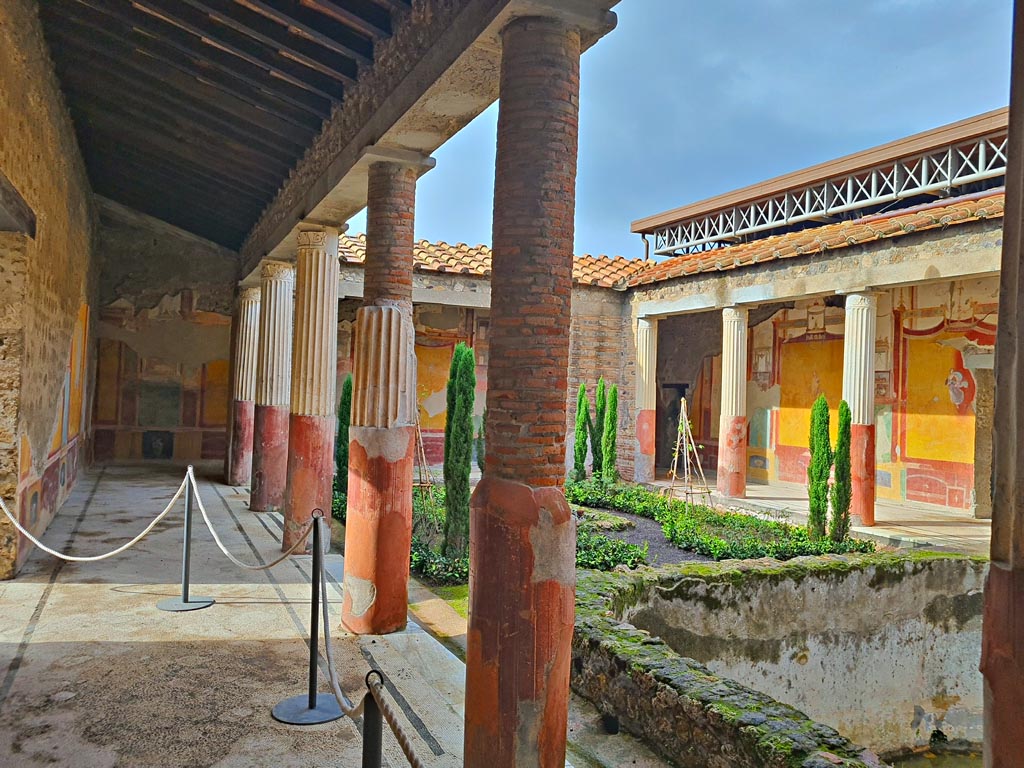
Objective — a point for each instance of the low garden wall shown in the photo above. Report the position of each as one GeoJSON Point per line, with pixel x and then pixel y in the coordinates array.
{"type": "Point", "coordinates": [716, 664]}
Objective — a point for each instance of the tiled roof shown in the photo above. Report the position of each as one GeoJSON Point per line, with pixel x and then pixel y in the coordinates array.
{"type": "Point", "coordinates": [827, 237]}
{"type": "Point", "coordinates": [475, 261]}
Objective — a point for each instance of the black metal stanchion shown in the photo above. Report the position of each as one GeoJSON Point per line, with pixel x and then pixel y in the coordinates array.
{"type": "Point", "coordinates": [373, 727]}
{"type": "Point", "coordinates": [186, 602]}
{"type": "Point", "coordinates": [311, 708]}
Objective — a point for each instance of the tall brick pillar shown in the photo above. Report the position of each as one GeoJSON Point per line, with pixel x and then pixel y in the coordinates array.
{"type": "Point", "coordinates": [646, 398]}
{"type": "Point", "coordinates": [244, 386]}
{"type": "Point", "coordinates": [378, 531]}
{"type": "Point", "coordinates": [273, 387]}
{"type": "Point", "coordinates": [522, 533]}
{"type": "Point", "coordinates": [732, 425]}
{"type": "Point", "coordinates": [1002, 649]}
{"type": "Point", "coordinates": [859, 394]}
{"type": "Point", "coordinates": [312, 422]}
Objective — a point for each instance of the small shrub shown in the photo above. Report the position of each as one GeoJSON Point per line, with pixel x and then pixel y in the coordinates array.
{"type": "Point", "coordinates": [818, 469]}
{"type": "Point", "coordinates": [609, 470]}
{"type": "Point", "coordinates": [602, 553]}
{"type": "Point", "coordinates": [458, 451]}
{"type": "Point", "coordinates": [481, 445]}
{"type": "Point", "coordinates": [579, 451]}
{"type": "Point", "coordinates": [341, 440]}
{"type": "Point", "coordinates": [339, 505]}
{"type": "Point", "coordinates": [435, 567]}
{"type": "Point", "coordinates": [596, 428]}
{"type": "Point", "coordinates": [842, 487]}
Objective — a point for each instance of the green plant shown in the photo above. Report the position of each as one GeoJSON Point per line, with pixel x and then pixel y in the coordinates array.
{"type": "Point", "coordinates": [579, 450]}
{"type": "Point", "coordinates": [596, 428]}
{"type": "Point", "coordinates": [609, 470]}
{"type": "Point", "coordinates": [341, 441]}
{"type": "Point", "coordinates": [435, 567]}
{"type": "Point", "coordinates": [842, 486]}
{"type": "Point", "coordinates": [818, 469]}
{"type": "Point", "coordinates": [339, 505]}
{"type": "Point", "coordinates": [458, 451]}
{"type": "Point", "coordinates": [602, 553]}
{"type": "Point", "coordinates": [480, 442]}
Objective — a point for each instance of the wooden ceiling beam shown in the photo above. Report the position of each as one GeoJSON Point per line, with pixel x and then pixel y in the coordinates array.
{"type": "Point", "coordinates": [375, 29]}
{"type": "Point", "coordinates": [316, 26]}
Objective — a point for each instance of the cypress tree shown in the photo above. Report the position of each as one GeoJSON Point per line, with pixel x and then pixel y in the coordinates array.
{"type": "Point", "coordinates": [818, 469]}
{"type": "Point", "coordinates": [609, 472]}
{"type": "Point", "coordinates": [842, 488]}
{"type": "Point", "coordinates": [480, 444]}
{"type": "Point", "coordinates": [341, 442]}
{"type": "Point", "coordinates": [458, 452]}
{"type": "Point", "coordinates": [596, 428]}
{"type": "Point", "coordinates": [579, 452]}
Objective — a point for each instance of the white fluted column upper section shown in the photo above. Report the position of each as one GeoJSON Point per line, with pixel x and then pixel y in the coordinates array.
{"type": "Point", "coordinates": [734, 361]}
{"type": "Point", "coordinates": [277, 309]}
{"type": "Point", "coordinates": [315, 356]}
{"type": "Point", "coordinates": [384, 385]}
{"type": "Point", "coordinates": [247, 343]}
{"type": "Point", "coordinates": [646, 364]}
{"type": "Point", "coordinates": [859, 356]}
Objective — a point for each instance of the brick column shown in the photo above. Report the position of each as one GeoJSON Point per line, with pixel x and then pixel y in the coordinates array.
{"type": "Point", "coordinates": [273, 387]}
{"type": "Point", "coordinates": [312, 422]}
{"type": "Point", "coordinates": [732, 425]}
{"type": "Point", "coordinates": [859, 394]}
{"type": "Point", "coordinates": [244, 386]}
{"type": "Point", "coordinates": [646, 398]}
{"type": "Point", "coordinates": [378, 532]}
{"type": "Point", "coordinates": [522, 533]}
{"type": "Point", "coordinates": [1002, 648]}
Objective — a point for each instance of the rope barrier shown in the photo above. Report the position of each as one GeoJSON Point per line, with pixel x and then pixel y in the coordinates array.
{"type": "Point", "coordinates": [206, 518]}
{"type": "Point", "coordinates": [346, 705]}
{"type": "Point", "coordinates": [94, 558]}
{"type": "Point", "coordinates": [376, 690]}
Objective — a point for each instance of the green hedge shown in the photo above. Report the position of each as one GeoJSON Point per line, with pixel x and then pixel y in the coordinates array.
{"type": "Point", "coordinates": [719, 535]}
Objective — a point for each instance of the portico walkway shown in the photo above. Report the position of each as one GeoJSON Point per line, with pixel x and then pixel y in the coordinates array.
{"type": "Point", "coordinates": [897, 523]}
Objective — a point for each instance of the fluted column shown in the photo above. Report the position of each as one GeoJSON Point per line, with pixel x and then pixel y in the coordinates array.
{"type": "Point", "coordinates": [859, 394]}
{"type": "Point", "coordinates": [646, 398]}
{"type": "Point", "coordinates": [244, 389]}
{"type": "Point", "coordinates": [313, 422]}
{"type": "Point", "coordinates": [522, 581]}
{"type": "Point", "coordinates": [382, 435]}
{"type": "Point", "coordinates": [732, 426]}
{"type": "Point", "coordinates": [273, 387]}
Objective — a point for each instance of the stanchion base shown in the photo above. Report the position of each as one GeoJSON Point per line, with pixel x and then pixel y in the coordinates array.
{"type": "Point", "coordinates": [296, 711]}
{"type": "Point", "coordinates": [177, 604]}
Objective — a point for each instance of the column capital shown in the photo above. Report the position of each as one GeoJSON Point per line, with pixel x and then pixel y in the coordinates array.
{"type": "Point", "coordinates": [591, 16]}
{"type": "Point", "coordinates": [277, 270]}
{"type": "Point", "coordinates": [316, 235]}
{"type": "Point", "coordinates": [374, 154]}
{"type": "Point", "coordinates": [250, 293]}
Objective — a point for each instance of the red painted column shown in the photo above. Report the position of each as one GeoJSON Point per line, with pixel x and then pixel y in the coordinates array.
{"type": "Point", "coordinates": [859, 394]}
{"type": "Point", "coordinates": [732, 426]}
{"type": "Point", "coordinates": [313, 422]}
{"type": "Point", "coordinates": [244, 388]}
{"type": "Point", "coordinates": [1002, 654]}
{"type": "Point", "coordinates": [273, 388]}
{"type": "Point", "coordinates": [378, 533]}
{"type": "Point", "coordinates": [646, 399]}
{"type": "Point", "coordinates": [522, 532]}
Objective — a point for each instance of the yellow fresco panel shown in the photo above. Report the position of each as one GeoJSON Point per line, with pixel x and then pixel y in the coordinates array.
{"type": "Point", "coordinates": [432, 366]}
{"type": "Point", "coordinates": [215, 394]}
{"type": "Point", "coordinates": [107, 366]}
{"type": "Point", "coordinates": [78, 371]}
{"type": "Point", "coordinates": [809, 368]}
{"type": "Point", "coordinates": [935, 429]}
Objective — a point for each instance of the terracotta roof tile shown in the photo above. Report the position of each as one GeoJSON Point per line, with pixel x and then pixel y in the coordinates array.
{"type": "Point", "coordinates": [475, 261]}
{"type": "Point", "coordinates": [826, 238]}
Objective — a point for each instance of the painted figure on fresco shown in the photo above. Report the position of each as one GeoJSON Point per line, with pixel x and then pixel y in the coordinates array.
{"type": "Point", "coordinates": [960, 384]}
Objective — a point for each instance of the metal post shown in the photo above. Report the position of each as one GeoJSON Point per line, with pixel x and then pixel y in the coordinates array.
{"type": "Point", "coordinates": [373, 727]}
{"type": "Point", "coordinates": [311, 708]}
{"type": "Point", "coordinates": [186, 603]}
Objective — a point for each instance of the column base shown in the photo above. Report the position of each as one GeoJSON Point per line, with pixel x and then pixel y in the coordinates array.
{"type": "Point", "coordinates": [310, 474]}
{"type": "Point", "coordinates": [240, 458]}
{"type": "Point", "coordinates": [269, 458]}
{"type": "Point", "coordinates": [732, 457]}
{"type": "Point", "coordinates": [862, 474]}
{"type": "Point", "coordinates": [522, 591]}
{"type": "Point", "coordinates": [1002, 664]}
{"type": "Point", "coordinates": [643, 460]}
{"type": "Point", "coordinates": [378, 529]}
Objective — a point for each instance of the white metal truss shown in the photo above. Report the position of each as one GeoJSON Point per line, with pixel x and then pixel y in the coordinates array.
{"type": "Point", "coordinates": [936, 171]}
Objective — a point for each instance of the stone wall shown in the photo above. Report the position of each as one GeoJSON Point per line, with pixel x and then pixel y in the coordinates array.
{"type": "Point", "coordinates": [48, 282]}
{"type": "Point", "coordinates": [164, 335]}
{"type": "Point", "coordinates": [811, 633]}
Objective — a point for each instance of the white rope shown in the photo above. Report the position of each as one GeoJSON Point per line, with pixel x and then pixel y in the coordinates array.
{"type": "Point", "coordinates": [216, 538]}
{"type": "Point", "coordinates": [119, 550]}
{"type": "Point", "coordinates": [332, 673]}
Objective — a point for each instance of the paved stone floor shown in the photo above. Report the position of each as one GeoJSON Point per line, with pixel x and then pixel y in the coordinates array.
{"type": "Point", "coordinates": [897, 523]}
{"type": "Point", "coordinates": [93, 675]}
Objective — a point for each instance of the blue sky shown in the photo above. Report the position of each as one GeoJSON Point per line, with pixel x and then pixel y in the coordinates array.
{"type": "Point", "coordinates": [686, 100]}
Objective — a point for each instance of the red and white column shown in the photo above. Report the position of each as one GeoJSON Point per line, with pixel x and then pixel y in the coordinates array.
{"type": "Point", "coordinates": [859, 394]}
{"type": "Point", "coordinates": [273, 387]}
{"type": "Point", "coordinates": [378, 531]}
{"type": "Point", "coordinates": [312, 423]}
{"type": "Point", "coordinates": [244, 387]}
{"type": "Point", "coordinates": [732, 425]}
{"type": "Point", "coordinates": [522, 581]}
{"type": "Point", "coordinates": [646, 398]}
